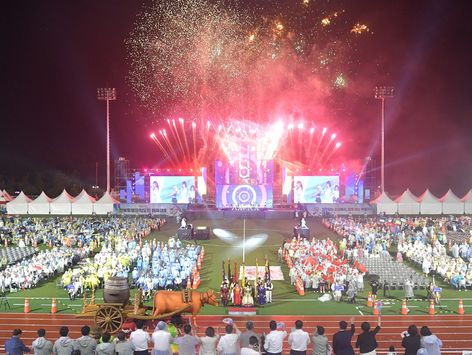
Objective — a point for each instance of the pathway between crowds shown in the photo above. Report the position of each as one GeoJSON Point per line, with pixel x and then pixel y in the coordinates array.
{"type": "Point", "coordinates": [453, 330]}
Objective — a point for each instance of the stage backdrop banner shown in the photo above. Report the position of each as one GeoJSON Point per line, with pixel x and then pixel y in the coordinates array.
{"type": "Point", "coordinates": [146, 209]}
{"type": "Point", "coordinates": [244, 195]}
{"type": "Point", "coordinates": [337, 209]}
{"type": "Point", "coordinates": [275, 272]}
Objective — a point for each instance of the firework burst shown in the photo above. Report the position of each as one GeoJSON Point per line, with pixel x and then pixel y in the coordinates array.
{"type": "Point", "coordinates": [210, 59]}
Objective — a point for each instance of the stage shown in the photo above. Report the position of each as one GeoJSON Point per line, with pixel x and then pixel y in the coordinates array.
{"type": "Point", "coordinates": [201, 212]}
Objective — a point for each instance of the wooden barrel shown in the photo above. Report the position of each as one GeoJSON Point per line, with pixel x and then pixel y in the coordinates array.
{"type": "Point", "coordinates": [116, 290]}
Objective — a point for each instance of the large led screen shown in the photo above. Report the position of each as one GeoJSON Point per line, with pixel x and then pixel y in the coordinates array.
{"type": "Point", "coordinates": [172, 189]}
{"type": "Point", "coordinates": [315, 189]}
{"type": "Point", "coordinates": [228, 196]}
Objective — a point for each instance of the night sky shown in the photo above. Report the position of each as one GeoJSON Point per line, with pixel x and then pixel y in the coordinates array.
{"type": "Point", "coordinates": [56, 53]}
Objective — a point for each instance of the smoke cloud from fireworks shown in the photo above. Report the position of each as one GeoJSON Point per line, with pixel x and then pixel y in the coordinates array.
{"type": "Point", "coordinates": [203, 58]}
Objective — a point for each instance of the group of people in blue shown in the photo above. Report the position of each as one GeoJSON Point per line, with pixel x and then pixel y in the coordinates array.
{"type": "Point", "coordinates": [166, 266]}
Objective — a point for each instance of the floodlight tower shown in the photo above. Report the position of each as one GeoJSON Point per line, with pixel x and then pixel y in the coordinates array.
{"type": "Point", "coordinates": [382, 93]}
{"type": "Point", "coordinates": [107, 94]}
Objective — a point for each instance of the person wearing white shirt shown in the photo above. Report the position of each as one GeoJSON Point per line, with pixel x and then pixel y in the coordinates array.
{"type": "Point", "coordinates": [140, 339]}
{"type": "Point", "coordinates": [298, 340]}
{"type": "Point", "coordinates": [229, 343]}
{"type": "Point", "coordinates": [161, 340]}
{"type": "Point", "coordinates": [274, 340]}
{"type": "Point", "coordinates": [209, 342]}
{"type": "Point", "coordinates": [253, 348]}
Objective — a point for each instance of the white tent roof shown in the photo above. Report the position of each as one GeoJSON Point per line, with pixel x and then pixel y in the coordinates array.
{"type": "Point", "coordinates": [407, 197]}
{"type": "Point", "coordinates": [3, 198]}
{"type": "Point", "coordinates": [64, 197]}
{"type": "Point", "coordinates": [467, 197]}
{"type": "Point", "coordinates": [20, 199]}
{"type": "Point", "coordinates": [42, 198]}
{"type": "Point", "coordinates": [450, 197]}
{"type": "Point", "coordinates": [427, 197]}
{"type": "Point", "coordinates": [382, 198]}
{"type": "Point", "coordinates": [106, 199]}
{"type": "Point", "coordinates": [7, 195]}
{"type": "Point", "coordinates": [83, 197]}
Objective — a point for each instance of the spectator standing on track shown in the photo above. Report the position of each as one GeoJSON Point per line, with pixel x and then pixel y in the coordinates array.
{"type": "Point", "coordinates": [161, 340]}
{"type": "Point", "coordinates": [209, 342]}
{"type": "Point", "coordinates": [320, 342]}
{"type": "Point", "coordinates": [273, 343]}
{"type": "Point", "coordinates": [86, 344]}
{"type": "Point", "coordinates": [245, 336]}
{"type": "Point", "coordinates": [122, 346]}
{"type": "Point", "coordinates": [105, 347]}
{"type": "Point", "coordinates": [42, 346]}
{"type": "Point", "coordinates": [140, 339]}
{"type": "Point", "coordinates": [430, 342]}
{"type": "Point", "coordinates": [411, 340]}
{"type": "Point", "coordinates": [229, 343]}
{"type": "Point", "coordinates": [187, 342]}
{"type": "Point", "coordinates": [15, 346]}
{"type": "Point", "coordinates": [342, 339]}
{"type": "Point", "coordinates": [366, 341]}
{"type": "Point", "coordinates": [64, 345]}
{"type": "Point", "coordinates": [298, 339]}
{"type": "Point", "coordinates": [252, 348]}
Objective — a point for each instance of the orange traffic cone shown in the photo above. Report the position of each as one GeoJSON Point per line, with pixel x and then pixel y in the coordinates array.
{"type": "Point", "coordinates": [404, 309]}
{"type": "Point", "coordinates": [370, 303]}
{"type": "Point", "coordinates": [53, 306]}
{"type": "Point", "coordinates": [460, 309]}
{"type": "Point", "coordinates": [431, 308]}
{"type": "Point", "coordinates": [27, 306]}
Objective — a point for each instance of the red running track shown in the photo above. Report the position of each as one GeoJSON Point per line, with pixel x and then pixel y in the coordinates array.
{"type": "Point", "coordinates": [455, 331]}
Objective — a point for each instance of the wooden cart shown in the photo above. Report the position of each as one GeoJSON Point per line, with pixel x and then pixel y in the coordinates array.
{"type": "Point", "coordinates": [109, 317]}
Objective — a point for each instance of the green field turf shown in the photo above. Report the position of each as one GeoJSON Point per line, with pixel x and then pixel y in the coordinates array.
{"type": "Point", "coordinates": [286, 300]}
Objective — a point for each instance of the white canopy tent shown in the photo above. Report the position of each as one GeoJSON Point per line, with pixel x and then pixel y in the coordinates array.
{"type": "Point", "coordinates": [408, 203]}
{"type": "Point", "coordinates": [83, 204]}
{"type": "Point", "coordinates": [40, 205]}
{"type": "Point", "coordinates": [62, 204]}
{"type": "Point", "coordinates": [19, 205]}
{"type": "Point", "coordinates": [5, 197]}
{"type": "Point", "coordinates": [385, 204]}
{"type": "Point", "coordinates": [104, 205]}
{"type": "Point", "coordinates": [467, 200]}
{"type": "Point", "coordinates": [451, 204]}
{"type": "Point", "coordinates": [429, 204]}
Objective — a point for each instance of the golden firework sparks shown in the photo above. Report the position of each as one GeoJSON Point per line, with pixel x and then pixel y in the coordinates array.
{"type": "Point", "coordinates": [359, 29]}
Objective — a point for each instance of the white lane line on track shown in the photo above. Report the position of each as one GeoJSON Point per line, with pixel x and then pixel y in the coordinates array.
{"type": "Point", "coordinates": [359, 311]}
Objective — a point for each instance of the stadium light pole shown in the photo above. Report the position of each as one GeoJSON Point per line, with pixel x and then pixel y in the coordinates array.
{"type": "Point", "coordinates": [382, 93]}
{"type": "Point", "coordinates": [107, 94]}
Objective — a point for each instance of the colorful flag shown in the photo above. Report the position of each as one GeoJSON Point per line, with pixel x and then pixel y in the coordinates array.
{"type": "Point", "coordinates": [229, 269]}
{"type": "Point", "coordinates": [243, 277]}
{"type": "Point", "coordinates": [267, 269]}
{"type": "Point", "coordinates": [235, 276]}
{"type": "Point", "coordinates": [255, 279]}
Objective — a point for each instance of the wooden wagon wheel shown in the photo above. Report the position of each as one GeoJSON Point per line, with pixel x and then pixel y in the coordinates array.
{"type": "Point", "coordinates": [109, 318]}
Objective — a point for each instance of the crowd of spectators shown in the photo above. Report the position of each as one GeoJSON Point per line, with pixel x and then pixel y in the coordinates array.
{"type": "Point", "coordinates": [166, 339]}
{"type": "Point", "coordinates": [439, 245]}
{"type": "Point", "coordinates": [69, 241]}
{"type": "Point", "coordinates": [321, 267]}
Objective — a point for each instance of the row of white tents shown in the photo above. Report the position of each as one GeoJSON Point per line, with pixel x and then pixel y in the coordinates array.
{"type": "Point", "coordinates": [425, 204]}
{"type": "Point", "coordinates": [64, 204]}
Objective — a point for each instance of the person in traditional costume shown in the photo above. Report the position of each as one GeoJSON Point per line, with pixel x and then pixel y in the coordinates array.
{"type": "Point", "coordinates": [261, 293]}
